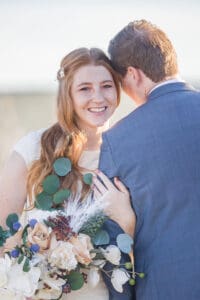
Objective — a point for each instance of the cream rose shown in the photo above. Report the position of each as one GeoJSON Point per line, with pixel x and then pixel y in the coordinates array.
{"type": "Point", "coordinates": [82, 247]}
{"type": "Point", "coordinates": [39, 235]}
{"type": "Point", "coordinates": [62, 256]}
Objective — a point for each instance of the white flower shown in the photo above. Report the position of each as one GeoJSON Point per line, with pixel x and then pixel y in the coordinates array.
{"type": "Point", "coordinates": [41, 215]}
{"type": "Point", "coordinates": [99, 263]}
{"type": "Point", "coordinates": [47, 294]}
{"type": "Point", "coordinates": [49, 288]}
{"type": "Point", "coordinates": [119, 278]}
{"type": "Point", "coordinates": [112, 254]}
{"type": "Point", "coordinates": [5, 264]}
{"type": "Point", "coordinates": [93, 277]}
{"type": "Point", "coordinates": [62, 256]}
{"type": "Point", "coordinates": [10, 295]}
{"type": "Point", "coordinates": [22, 282]}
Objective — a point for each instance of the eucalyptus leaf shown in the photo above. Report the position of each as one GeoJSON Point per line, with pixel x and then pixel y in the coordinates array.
{"type": "Point", "coordinates": [125, 242]}
{"type": "Point", "coordinates": [20, 259]}
{"type": "Point", "coordinates": [87, 178]}
{"type": "Point", "coordinates": [62, 166]}
{"type": "Point", "coordinates": [44, 201]}
{"type": "Point", "coordinates": [26, 266]}
{"type": "Point", "coordinates": [101, 238]}
{"type": "Point", "coordinates": [12, 218]}
{"type": "Point", "coordinates": [61, 196]}
{"type": "Point", "coordinates": [51, 184]}
{"type": "Point", "coordinates": [4, 234]}
{"type": "Point", "coordinates": [25, 233]}
{"type": "Point", "coordinates": [75, 280]}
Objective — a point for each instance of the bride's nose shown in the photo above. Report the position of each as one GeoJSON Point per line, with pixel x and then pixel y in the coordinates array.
{"type": "Point", "coordinates": [97, 95]}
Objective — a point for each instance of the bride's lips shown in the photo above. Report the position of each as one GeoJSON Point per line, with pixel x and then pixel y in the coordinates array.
{"type": "Point", "coordinates": [97, 109]}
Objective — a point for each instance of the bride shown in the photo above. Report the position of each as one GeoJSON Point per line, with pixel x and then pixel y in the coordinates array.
{"type": "Point", "coordinates": [88, 94]}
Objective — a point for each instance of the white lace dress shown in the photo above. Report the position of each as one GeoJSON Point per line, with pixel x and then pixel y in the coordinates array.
{"type": "Point", "coordinates": [29, 148]}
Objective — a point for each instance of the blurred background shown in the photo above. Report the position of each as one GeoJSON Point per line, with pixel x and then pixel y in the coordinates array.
{"type": "Point", "coordinates": [36, 34]}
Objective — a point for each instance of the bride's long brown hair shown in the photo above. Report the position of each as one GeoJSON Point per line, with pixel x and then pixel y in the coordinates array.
{"type": "Point", "coordinates": [65, 139]}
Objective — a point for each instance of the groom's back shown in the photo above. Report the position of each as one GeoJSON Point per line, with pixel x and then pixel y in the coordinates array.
{"type": "Point", "coordinates": [156, 153]}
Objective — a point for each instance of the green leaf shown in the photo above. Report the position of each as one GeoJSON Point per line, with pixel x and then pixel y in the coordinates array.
{"type": "Point", "coordinates": [26, 266]}
{"type": "Point", "coordinates": [51, 184]}
{"type": "Point", "coordinates": [125, 242]}
{"type": "Point", "coordinates": [4, 234]}
{"type": "Point", "coordinates": [93, 225]}
{"type": "Point", "coordinates": [101, 238]}
{"type": "Point", "coordinates": [20, 259]}
{"type": "Point", "coordinates": [44, 201]}
{"type": "Point", "coordinates": [61, 196]}
{"type": "Point", "coordinates": [49, 224]}
{"type": "Point", "coordinates": [87, 178]}
{"type": "Point", "coordinates": [12, 218]}
{"type": "Point", "coordinates": [25, 234]}
{"type": "Point", "coordinates": [75, 280]}
{"type": "Point", "coordinates": [62, 166]}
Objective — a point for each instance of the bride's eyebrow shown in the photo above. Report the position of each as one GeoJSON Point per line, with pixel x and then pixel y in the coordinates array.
{"type": "Point", "coordinates": [88, 83]}
{"type": "Point", "coordinates": [106, 81]}
{"type": "Point", "coordinates": [83, 83]}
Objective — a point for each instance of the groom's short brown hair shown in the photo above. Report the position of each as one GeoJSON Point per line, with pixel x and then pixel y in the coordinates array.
{"type": "Point", "coordinates": [143, 45]}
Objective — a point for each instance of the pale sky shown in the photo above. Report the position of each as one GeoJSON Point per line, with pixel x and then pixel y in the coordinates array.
{"type": "Point", "coordinates": [36, 34]}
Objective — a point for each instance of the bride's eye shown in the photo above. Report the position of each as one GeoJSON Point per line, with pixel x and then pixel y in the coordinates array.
{"type": "Point", "coordinates": [85, 88]}
{"type": "Point", "coordinates": [107, 86]}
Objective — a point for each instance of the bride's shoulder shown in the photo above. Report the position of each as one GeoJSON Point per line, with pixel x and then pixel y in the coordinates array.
{"type": "Point", "coordinates": [29, 146]}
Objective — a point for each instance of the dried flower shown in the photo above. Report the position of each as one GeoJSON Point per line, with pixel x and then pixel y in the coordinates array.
{"type": "Point", "coordinates": [39, 235]}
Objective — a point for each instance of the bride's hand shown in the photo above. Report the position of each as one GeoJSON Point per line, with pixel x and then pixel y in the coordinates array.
{"type": "Point", "coordinates": [117, 199]}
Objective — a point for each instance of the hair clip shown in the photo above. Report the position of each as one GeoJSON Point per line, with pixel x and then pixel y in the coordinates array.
{"type": "Point", "coordinates": [61, 73]}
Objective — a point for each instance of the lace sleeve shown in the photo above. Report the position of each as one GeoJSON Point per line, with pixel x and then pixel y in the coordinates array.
{"type": "Point", "coordinates": [29, 146]}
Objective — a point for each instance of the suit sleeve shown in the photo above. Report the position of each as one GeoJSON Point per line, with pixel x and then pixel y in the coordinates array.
{"type": "Point", "coordinates": [106, 162]}
{"type": "Point", "coordinates": [107, 166]}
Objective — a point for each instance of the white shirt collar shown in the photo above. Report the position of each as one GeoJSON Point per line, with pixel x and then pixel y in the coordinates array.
{"type": "Point", "coordinates": [175, 79]}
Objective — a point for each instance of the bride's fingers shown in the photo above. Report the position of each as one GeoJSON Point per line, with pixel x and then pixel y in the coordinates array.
{"type": "Point", "coordinates": [97, 195]}
{"type": "Point", "coordinates": [108, 183]}
{"type": "Point", "coordinates": [99, 185]}
{"type": "Point", "coordinates": [120, 185]}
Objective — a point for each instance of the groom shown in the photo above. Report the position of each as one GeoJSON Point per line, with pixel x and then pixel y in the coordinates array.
{"type": "Point", "coordinates": [155, 151]}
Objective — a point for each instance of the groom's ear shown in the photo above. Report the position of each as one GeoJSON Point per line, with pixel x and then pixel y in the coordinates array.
{"type": "Point", "coordinates": [135, 74]}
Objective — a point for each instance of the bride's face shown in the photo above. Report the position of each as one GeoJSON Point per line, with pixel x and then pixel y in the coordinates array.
{"type": "Point", "coordinates": [94, 96]}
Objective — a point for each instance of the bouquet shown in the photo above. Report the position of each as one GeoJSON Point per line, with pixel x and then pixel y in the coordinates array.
{"type": "Point", "coordinates": [61, 245]}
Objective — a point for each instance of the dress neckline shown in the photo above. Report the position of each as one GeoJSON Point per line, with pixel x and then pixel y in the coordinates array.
{"type": "Point", "coordinates": [91, 151]}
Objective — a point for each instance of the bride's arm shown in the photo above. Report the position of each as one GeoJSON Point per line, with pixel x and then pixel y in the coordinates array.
{"type": "Point", "coordinates": [12, 187]}
{"type": "Point", "coordinates": [117, 200]}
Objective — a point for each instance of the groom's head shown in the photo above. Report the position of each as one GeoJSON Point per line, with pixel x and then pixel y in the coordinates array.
{"type": "Point", "coordinates": [144, 56]}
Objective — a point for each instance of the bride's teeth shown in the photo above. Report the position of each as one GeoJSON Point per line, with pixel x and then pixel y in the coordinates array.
{"type": "Point", "coordinates": [97, 109]}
